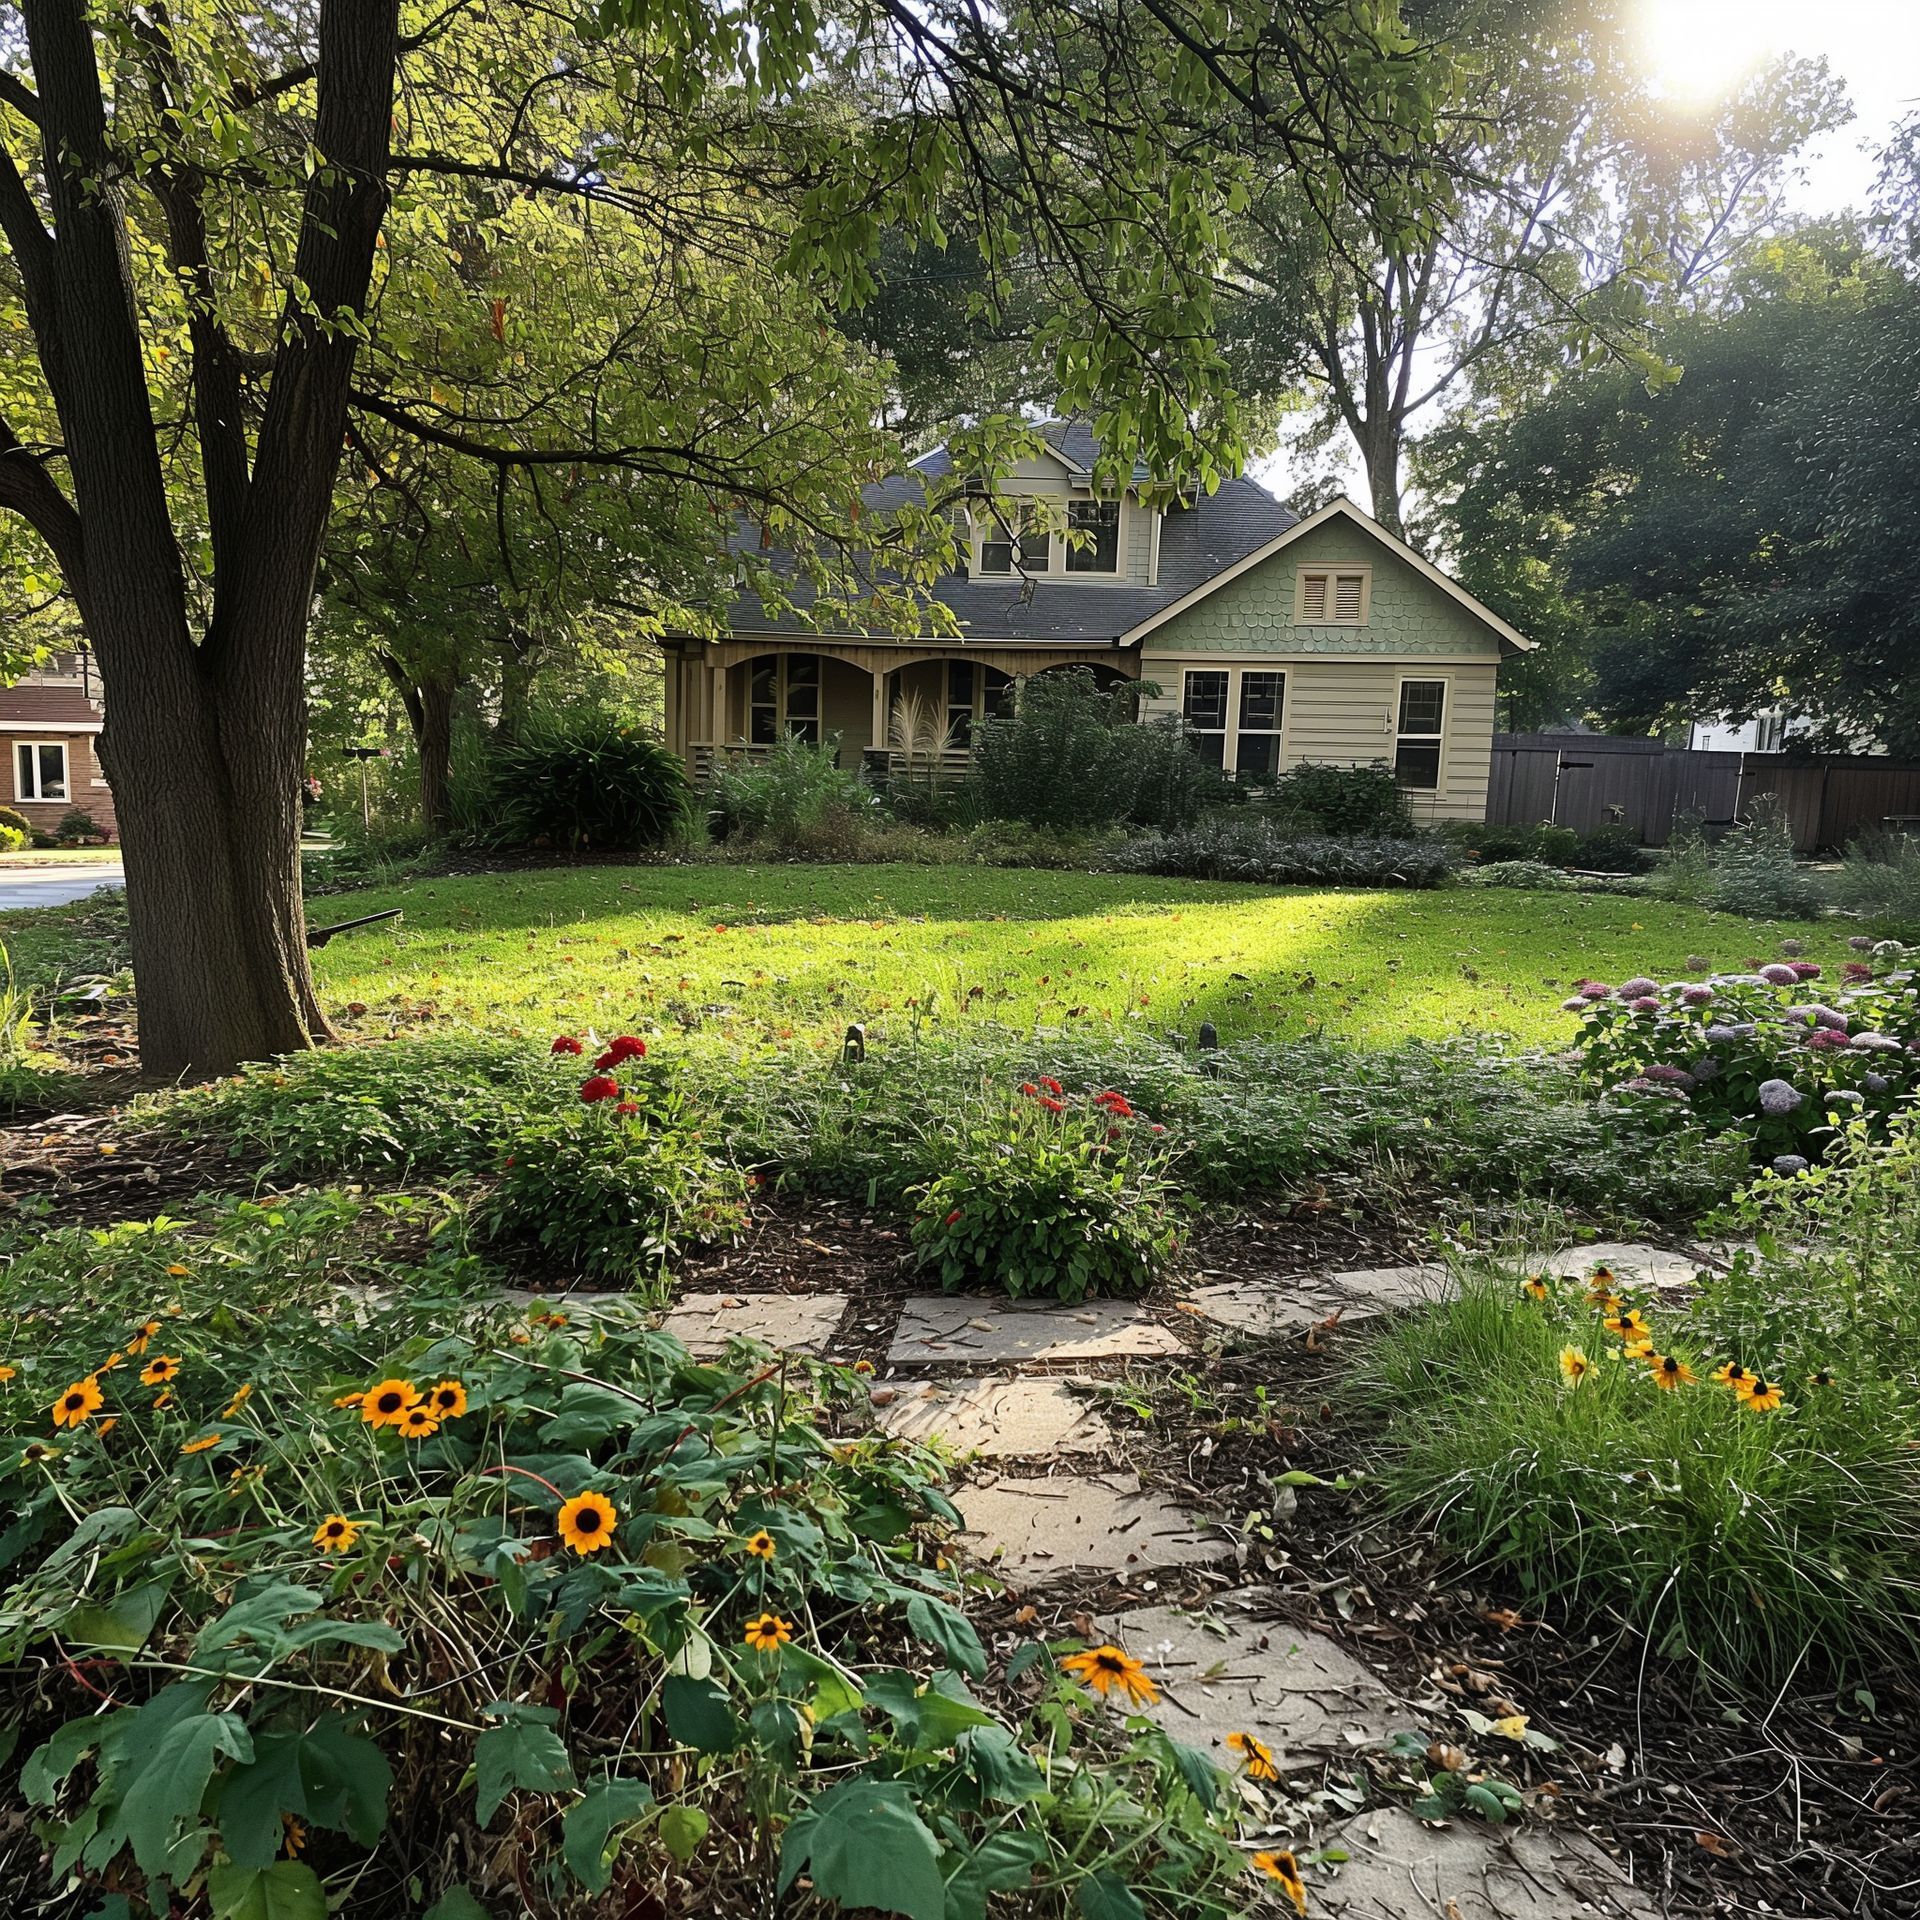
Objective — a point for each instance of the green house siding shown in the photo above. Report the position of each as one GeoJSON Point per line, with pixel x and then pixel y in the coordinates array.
{"type": "Point", "coordinates": [1343, 682]}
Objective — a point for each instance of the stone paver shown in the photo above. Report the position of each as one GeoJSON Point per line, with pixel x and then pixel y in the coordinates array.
{"type": "Point", "coordinates": [942, 1326]}
{"type": "Point", "coordinates": [1635, 1262]}
{"type": "Point", "coordinates": [1220, 1672]}
{"type": "Point", "coordinates": [997, 1418]}
{"type": "Point", "coordinates": [1401, 1867]}
{"type": "Point", "coordinates": [1066, 1523]}
{"type": "Point", "coordinates": [1288, 1306]}
{"type": "Point", "coordinates": [795, 1322]}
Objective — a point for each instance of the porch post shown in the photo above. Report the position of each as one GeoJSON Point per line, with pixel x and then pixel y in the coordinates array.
{"type": "Point", "coordinates": [877, 738]}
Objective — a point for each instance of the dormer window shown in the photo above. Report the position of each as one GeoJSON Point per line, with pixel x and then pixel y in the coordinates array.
{"type": "Point", "coordinates": [1010, 543]}
{"type": "Point", "coordinates": [1332, 596]}
{"type": "Point", "coordinates": [1095, 527]}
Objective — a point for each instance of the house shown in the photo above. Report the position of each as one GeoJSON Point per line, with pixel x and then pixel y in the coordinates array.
{"type": "Point", "coordinates": [50, 721]}
{"type": "Point", "coordinates": [1281, 640]}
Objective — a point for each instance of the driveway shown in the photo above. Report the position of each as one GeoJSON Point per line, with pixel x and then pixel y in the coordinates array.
{"type": "Point", "coordinates": [56, 886]}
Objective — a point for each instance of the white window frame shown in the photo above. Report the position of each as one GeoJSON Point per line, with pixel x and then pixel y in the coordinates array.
{"type": "Point", "coordinates": [1228, 734]}
{"type": "Point", "coordinates": [1277, 734]}
{"type": "Point", "coordinates": [1436, 739]}
{"type": "Point", "coordinates": [1070, 555]}
{"type": "Point", "coordinates": [1224, 731]}
{"type": "Point", "coordinates": [782, 719]}
{"type": "Point", "coordinates": [1330, 577]}
{"type": "Point", "coordinates": [37, 798]}
{"type": "Point", "coordinates": [990, 524]}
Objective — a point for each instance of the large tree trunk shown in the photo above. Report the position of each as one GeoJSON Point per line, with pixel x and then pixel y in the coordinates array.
{"type": "Point", "coordinates": [436, 757]}
{"type": "Point", "coordinates": [1380, 451]}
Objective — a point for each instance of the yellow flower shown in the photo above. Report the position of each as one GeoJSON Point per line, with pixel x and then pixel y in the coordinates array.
{"type": "Point", "coordinates": [1764, 1396]}
{"type": "Point", "coordinates": [1628, 1323]}
{"type": "Point", "coordinates": [296, 1831]}
{"type": "Point", "coordinates": [238, 1401]}
{"type": "Point", "coordinates": [768, 1634]}
{"type": "Point", "coordinates": [201, 1445]}
{"type": "Point", "coordinates": [418, 1422]}
{"type": "Point", "coordinates": [110, 1362]}
{"type": "Point", "coordinates": [761, 1545]}
{"type": "Point", "coordinates": [385, 1403]}
{"type": "Point", "coordinates": [1283, 1869]}
{"type": "Point", "coordinates": [863, 1366]}
{"type": "Point", "coordinates": [162, 1400]}
{"type": "Point", "coordinates": [177, 1273]}
{"type": "Point", "coordinates": [107, 1425]}
{"type": "Point", "coordinates": [348, 1399]}
{"type": "Point", "coordinates": [1511, 1726]}
{"type": "Point", "coordinates": [587, 1522]}
{"type": "Point", "coordinates": [160, 1369]}
{"type": "Point", "coordinates": [33, 1454]}
{"type": "Point", "coordinates": [448, 1400]}
{"type": "Point", "coordinates": [1534, 1286]}
{"type": "Point", "coordinates": [336, 1533]}
{"type": "Point", "coordinates": [1104, 1668]}
{"type": "Point", "coordinates": [1733, 1375]}
{"type": "Point", "coordinates": [1670, 1373]}
{"type": "Point", "coordinates": [1639, 1349]}
{"type": "Point", "coordinates": [1600, 1285]}
{"type": "Point", "coordinates": [142, 1340]}
{"type": "Point", "coordinates": [78, 1404]}
{"type": "Point", "coordinates": [7, 1373]}
{"type": "Point", "coordinates": [1574, 1366]}
{"type": "Point", "coordinates": [1256, 1753]}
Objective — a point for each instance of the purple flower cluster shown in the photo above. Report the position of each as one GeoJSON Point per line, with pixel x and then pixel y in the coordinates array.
{"type": "Point", "coordinates": [1778, 974]}
{"type": "Point", "coordinates": [1779, 1097]}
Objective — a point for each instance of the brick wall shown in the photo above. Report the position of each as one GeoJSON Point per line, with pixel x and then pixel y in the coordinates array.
{"type": "Point", "coordinates": [86, 785]}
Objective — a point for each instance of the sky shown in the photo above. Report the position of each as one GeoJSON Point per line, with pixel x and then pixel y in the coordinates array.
{"type": "Point", "coordinates": [1697, 50]}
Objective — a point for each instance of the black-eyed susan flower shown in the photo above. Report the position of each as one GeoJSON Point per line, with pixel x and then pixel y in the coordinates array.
{"type": "Point", "coordinates": [1763, 1396]}
{"type": "Point", "coordinates": [177, 1272]}
{"type": "Point", "coordinates": [762, 1545]}
{"type": "Point", "coordinates": [36, 1454]}
{"type": "Point", "coordinates": [448, 1400]}
{"type": "Point", "coordinates": [143, 1337]}
{"type": "Point", "coordinates": [768, 1633]}
{"type": "Point", "coordinates": [1628, 1324]}
{"type": "Point", "coordinates": [1733, 1374]}
{"type": "Point", "coordinates": [7, 1373]}
{"type": "Point", "coordinates": [385, 1403]}
{"type": "Point", "coordinates": [1284, 1871]}
{"type": "Point", "coordinates": [242, 1394]}
{"type": "Point", "coordinates": [1535, 1287]}
{"type": "Point", "coordinates": [1669, 1371]}
{"type": "Point", "coordinates": [1821, 1377]}
{"type": "Point", "coordinates": [1256, 1754]}
{"type": "Point", "coordinates": [160, 1369]}
{"type": "Point", "coordinates": [348, 1399]}
{"type": "Point", "coordinates": [163, 1400]}
{"type": "Point", "coordinates": [336, 1533]}
{"type": "Point", "coordinates": [418, 1422]}
{"type": "Point", "coordinates": [296, 1833]}
{"type": "Point", "coordinates": [114, 1359]}
{"type": "Point", "coordinates": [1574, 1366]}
{"type": "Point", "coordinates": [203, 1444]}
{"type": "Point", "coordinates": [1601, 1287]}
{"type": "Point", "coordinates": [587, 1522]}
{"type": "Point", "coordinates": [78, 1403]}
{"type": "Point", "coordinates": [1104, 1668]}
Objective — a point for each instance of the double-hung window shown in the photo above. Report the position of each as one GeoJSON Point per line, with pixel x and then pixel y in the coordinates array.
{"type": "Point", "coordinates": [40, 770]}
{"type": "Point", "coordinates": [974, 693]}
{"type": "Point", "coordinates": [1256, 754]}
{"type": "Point", "coordinates": [783, 698]}
{"type": "Point", "coordinates": [1205, 707]}
{"type": "Point", "coordinates": [1418, 730]}
{"type": "Point", "coordinates": [1095, 527]}
{"type": "Point", "coordinates": [1011, 542]}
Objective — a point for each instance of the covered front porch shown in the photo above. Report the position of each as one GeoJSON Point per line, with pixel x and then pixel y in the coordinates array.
{"type": "Point", "coordinates": [920, 705]}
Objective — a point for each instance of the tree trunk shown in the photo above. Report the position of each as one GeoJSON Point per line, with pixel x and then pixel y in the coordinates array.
{"type": "Point", "coordinates": [1380, 449]}
{"type": "Point", "coordinates": [435, 742]}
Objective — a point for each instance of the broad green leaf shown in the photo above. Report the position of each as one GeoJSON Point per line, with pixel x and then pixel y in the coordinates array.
{"type": "Point", "coordinates": [286, 1890]}
{"type": "Point", "coordinates": [173, 1782]}
{"type": "Point", "coordinates": [699, 1714]}
{"type": "Point", "coordinates": [329, 1776]}
{"type": "Point", "coordinates": [590, 1824]}
{"type": "Point", "coordinates": [1000, 1765]}
{"type": "Point", "coordinates": [1105, 1896]}
{"type": "Point", "coordinates": [1001, 1863]}
{"type": "Point", "coordinates": [865, 1846]}
{"type": "Point", "coordinates": [456, 1904]}
{"type": "Point", "coordinates": [523, 1753]}
{"type": "Point", "coordinates": [949, 1632]}
{"type": "Point", "coordinates": [682, 1828]}
{"type": "Point", "coordinates": [260, 1616]}
{"type": "Point", "coordinates": [122, 1624]}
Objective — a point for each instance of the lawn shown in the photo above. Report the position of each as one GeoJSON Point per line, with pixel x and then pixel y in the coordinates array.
{"type": "Point", "coordinates": [775, 953]}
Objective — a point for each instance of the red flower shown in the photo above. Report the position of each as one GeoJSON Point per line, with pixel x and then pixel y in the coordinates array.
{"type": "Point", "coordinates": [567, 1044]}
{"type": "Point", "coordinates": [1053, 1106]}
{"type": "Point", "coordinates": [953, 1219]}
{"type": "Point", "coordinates": [1028, 1088]}
{"type": "Point", "coordinates": [599, 1086]}
{"type": "Point", "coordinates": [621, 1051]}
{"type": "Point", "coordinates": [627, 1107]}
{"type": "Point", "coordinates": [1116, 1104]}
{"type": "Point", "coordinates": [1053, 1086]}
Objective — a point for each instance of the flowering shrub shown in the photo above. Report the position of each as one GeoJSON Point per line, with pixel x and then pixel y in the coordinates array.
{"type": "Point", "coordinates": [1782, 1054]}
{"type": "Point", "coordinates": [1056, 1193]}
{"type": "Point", "coordinates": [399, 1600]}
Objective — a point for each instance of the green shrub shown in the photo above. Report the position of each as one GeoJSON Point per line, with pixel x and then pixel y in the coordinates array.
{"type": "Point", "coordinates": [1066, 759]}
{"type": "Point", "coordinates": [16, 822]}
{"type": "Point", "coordinates": [1344, 800]}
{"type": "Point", "coordinates": [1534, 874]}
{"type": "Point", "coordinates": [340, 1658]}
{"type": "Point", "coordinates": [77, 824]}
{"type": "Point", "coordinates": [1248, 847]}
{"type": "Point", "coordinates": [1489, 842]}
{"type": "Point", "coordinates": [12, 839]}
{"type": "Point", "coordinates": [585, 781]}
{"type": "Point", "coordinates": [1751, 871]}
{"type": "Point", "coordinates": [1173, 786]}
{"type": "Point", "coordinates": [1608, 849]}
{"type": "Point", "coordinates": [1051, 1193]}
{"type": "Point", "coordinates": [1880, 877]}
{"type": "Point", "coordinates": [793, 798]}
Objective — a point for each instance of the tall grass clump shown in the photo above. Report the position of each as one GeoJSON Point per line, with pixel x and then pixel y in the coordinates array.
{"type": "Point", "coordinates": [1759, 1513]}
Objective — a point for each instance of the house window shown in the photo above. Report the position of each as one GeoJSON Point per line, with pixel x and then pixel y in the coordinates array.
{"type": "Point", "coordinates": [974, 693]}
{"type": "Point", "coordinates": [1096, 525]}
{"type": "Point", "coordinates": [1332, 597]}
{"type": "Point", "coordinates": [783, 698]}
{"type": "Point", "coordinates": [1205, 708]}
{"type": "Point", "coordinates": [1010, 543]}
{"type": "Point", "coordinates": [40, 770]}
{"type": "Point", "coordinates": [1422, 717]}
{"type": "Point", "coordinates": [1256, 753]}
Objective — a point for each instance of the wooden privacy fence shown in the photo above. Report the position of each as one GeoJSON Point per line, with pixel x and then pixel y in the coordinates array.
{"type": "Point", "coordinates": [1586, 780]}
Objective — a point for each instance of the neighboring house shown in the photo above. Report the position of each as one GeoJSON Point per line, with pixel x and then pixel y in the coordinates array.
{"type": "Point", "coordinates": [50, 721]}
{"type": "Point", "coordinates": [1281, 640]}
{"type": "Point", "coordinates": [1764, 733]}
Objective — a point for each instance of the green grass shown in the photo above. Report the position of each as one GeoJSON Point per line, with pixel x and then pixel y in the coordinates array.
{"type": "Point", "coordinates": [762, 954]}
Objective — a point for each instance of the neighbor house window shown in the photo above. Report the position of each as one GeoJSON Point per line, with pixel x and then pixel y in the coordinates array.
{"type": "Point", "coordinates": [783, 698]}
{"type": "Point", "coordinates": [40, 770]}
{"type": "Point", "coordinates": [1256, 753]}
{"type": "Point", "coordinates": [1096, 527]}
{"type": "Point", "coordinates": [1332, 597]}
{"type": "Point", "coordinates": [1421, 720]}
{"type": "Point", "coordinates": [1010, 542]}
{"type": "Point", "coordinates": [1205, 708]}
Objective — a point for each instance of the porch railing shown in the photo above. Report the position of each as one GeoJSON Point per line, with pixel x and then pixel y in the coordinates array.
{"type": "Point", "coordinates": [951, 763]}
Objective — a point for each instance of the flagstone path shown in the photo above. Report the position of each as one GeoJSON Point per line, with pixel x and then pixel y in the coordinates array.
{"type": "Point", "coordinates": [983, 1378]}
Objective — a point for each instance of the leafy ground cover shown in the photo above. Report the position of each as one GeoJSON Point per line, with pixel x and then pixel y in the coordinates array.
{"type": "Point", "coordinates": [771, 954]}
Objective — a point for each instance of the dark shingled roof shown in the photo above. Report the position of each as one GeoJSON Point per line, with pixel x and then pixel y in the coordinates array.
{"type": "Point", "coordinates": [1197, 543]}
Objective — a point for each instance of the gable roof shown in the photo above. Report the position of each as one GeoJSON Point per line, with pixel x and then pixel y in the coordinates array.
{"type": "Point", "coordinates": [1339, 507]}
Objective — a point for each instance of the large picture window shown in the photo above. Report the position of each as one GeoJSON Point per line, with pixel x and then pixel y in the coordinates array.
{"type": "Point", "coordinates": [40, 770]}
{"type": "Point", "coordinates": [1205, 708]}
{"type": "Point", "coordinates": [783, 698]}
{"type": "Point", "coordinates": [1418, 733]}
{"type": "Point", "coordinates": [1095, 547]}
{"type": "Point", "coordinates": [1256, 753]}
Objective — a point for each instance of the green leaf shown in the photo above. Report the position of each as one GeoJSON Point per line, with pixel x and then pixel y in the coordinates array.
{"type": "Point", "coordinates": [949, 1632]}
{"type": "Point", "coordinates": [866, 1847]}
{"type": "Point", "coordinates": [56, 1757]}
{"type": "Point", "coordinates": [682, 1828]}
{"type": "Point", "coordinates": [699, 1714]}
{"type": "Point", "coordinates": [1000, 1766]}
{"type": "Point", "coordinates": [524, 1753]}
{"type": "Point", "coordinates": [122, 1625]}
{"type": "Point", "coordinates": [1105, 1896]}
{"type": "Point", "coordinates": [286, 1890]}
{"type": "Point", "coordinates": [1004, 1862]}
{"type": "Point", "coordinates": [328, 1776]}
{"type": "Point", "coordinates": [590, 1824]}
{"type": "Point", "coordinates": [456, 1904]}
{"type": "Point", "coordinates": [173, 1782]}
{"type": "Point", "coordinates": [932, 1716]}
